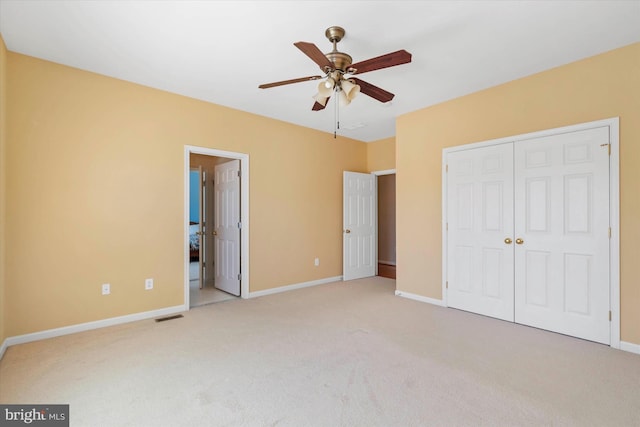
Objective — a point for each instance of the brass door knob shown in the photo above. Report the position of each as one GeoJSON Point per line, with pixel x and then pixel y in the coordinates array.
{"type": "Point", "coordinates": [519, 241]}
{"type": "Point", "coordinates": [508, 241]}
{"type": "Point", "coordinates": [214, 232]}
{"type": "Point", "coordinates": [347, 231]}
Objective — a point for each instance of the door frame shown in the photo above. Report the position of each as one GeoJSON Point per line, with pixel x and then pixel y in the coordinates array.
{"type": "Point", "coordinates": [614, 207]}
{"type": "Point", "coordinates": [376, 175]}
{"type": "Point", "coordinates": [244, 214]}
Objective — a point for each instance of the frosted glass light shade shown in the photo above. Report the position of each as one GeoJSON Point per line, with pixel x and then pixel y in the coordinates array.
{"type": "Point", "coordinates": [343, 98]}
{"type": "Point", "coordinates": [325, 88]}
{"type": "Point", "coordinates": [322, 100]}
{"type": "Point", "coordinates": [350, 89]}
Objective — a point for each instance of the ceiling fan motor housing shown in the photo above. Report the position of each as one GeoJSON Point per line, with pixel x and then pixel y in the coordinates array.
{"type": "Point", "coordinates": [340, 60]}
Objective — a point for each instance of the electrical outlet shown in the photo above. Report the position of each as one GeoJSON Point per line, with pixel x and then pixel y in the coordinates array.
{"type": "Point", "coordinates": [106, 289]}
{"type": "Point", "coordinates": [148, 284]}
{"type": "Point", "coordinates": [317, 262]}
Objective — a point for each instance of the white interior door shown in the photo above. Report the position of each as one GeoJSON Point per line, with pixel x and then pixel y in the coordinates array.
{"type": "Point", "coordinates": [562, 227]}
{"type": "Point", "coordinates": [201, 228]}
{"type": "Point", "coordinates": [359, 225]}
{"type": "Point", "coordinates": [227, 227]}
{"type": "Point", "coordinates": [480, 230]}
{"type": "Point", "coordinates": [208, 220]}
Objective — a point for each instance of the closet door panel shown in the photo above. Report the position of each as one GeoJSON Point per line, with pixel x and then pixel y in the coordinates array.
{"type": "Point", "coordinates": [561, 198]}
{"type": "Point", "coordinates": [480, 217]}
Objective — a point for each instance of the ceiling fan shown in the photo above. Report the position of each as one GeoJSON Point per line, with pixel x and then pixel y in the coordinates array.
{"type": "Point", "coordinates": [339, 70]}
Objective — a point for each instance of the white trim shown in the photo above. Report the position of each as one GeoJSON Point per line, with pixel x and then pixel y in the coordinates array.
{"type": "Point", "coordinates": [614, 206]}
{"type": "Point", "coordinates": [244, 214]}
{"type": "Point", "coordinates": [630, 347]}
{"type": "Point", "coordinates": [420, 298]}
{"type": "Point", "coordinates": [294, 286]}
{"type": "Point", "coordinates": [384, 172]}
{"type": "Point", "coordinates": [614, 223]}
{"type": "Point", "coordinates": [82, 327]}
{"type": "Point", "coordinates": [380, 261]}
{"type": "Point", "coordinates": [3, 348]}
{"type": "Point", "coordinates": [444, 226]}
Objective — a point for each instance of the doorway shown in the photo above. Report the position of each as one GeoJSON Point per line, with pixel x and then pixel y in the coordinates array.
{"type": "Point", "coordinates": [361, 225]}
{"type": "Point", "coordinates": [216, 226]}
{"type": "Point", "coordinates": [387, 225]}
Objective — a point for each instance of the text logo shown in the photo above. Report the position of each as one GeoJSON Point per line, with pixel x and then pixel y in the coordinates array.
{"type": "Point", "coordinates": [34, 415]}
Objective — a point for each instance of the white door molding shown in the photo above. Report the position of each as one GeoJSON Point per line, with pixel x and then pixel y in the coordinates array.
{"type": "Point", "coordinates": [614, 206]}
{"type": "Point", "coordinates": [244, 214]}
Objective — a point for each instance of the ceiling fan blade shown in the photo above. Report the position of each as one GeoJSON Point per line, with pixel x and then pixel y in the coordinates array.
{"type": "Point", "coordinates": [288, 82]}
{"type": "Point", "coordinates": [389, 60]}
{"type": "Point", "coordinates": [316, 55]}
{"type": "Point", "coordinates": [373, 91]}
{"type": "Point", "coordinates": [317, 106]}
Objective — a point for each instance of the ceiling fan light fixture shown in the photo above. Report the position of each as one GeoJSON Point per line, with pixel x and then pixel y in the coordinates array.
{"type": "Point", "coordinates": [322, 100]}
{"type": "Point", "coordinates": [325, 88]}
{"type": "Point", "coordinates": [351, 89]}
{"type": "Point", "coordinates": [343, 98]}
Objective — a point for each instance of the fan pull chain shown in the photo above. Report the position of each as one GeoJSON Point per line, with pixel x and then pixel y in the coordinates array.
{"type": "Point", "coordinates": [336, 109]}
{"type": "Point", "coordinates": [336, 115]}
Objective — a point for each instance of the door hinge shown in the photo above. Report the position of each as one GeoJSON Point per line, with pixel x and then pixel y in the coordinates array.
{"type": "Point", "coordinates": [609, 232]}
{"type": "Point", "coordinates": [609, 315]}
{"type": "Point", "coordinates": [446, 168]}
{"type": "Point", "coordinates": [239, 174]}
{"type": "Point", "coordinates": [447, 226]}
{"type": "Point", "coordinates": [608, 147]}
{"type": "Point", "coordinates": [240, 225]}
{"type": "Point", "coordinates": [447, 284]}
{"type": "Point", "coordinates": [239, 276]}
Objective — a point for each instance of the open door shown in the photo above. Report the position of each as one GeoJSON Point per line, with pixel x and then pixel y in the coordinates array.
{"type": "Point", "coordinates": [201, 227]}
{"type": "Point", "coordinates": [227, 227]}
{"type": "Point", "coordinates": [359, 226]}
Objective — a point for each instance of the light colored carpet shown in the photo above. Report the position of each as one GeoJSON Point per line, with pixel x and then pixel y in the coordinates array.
{"type": "Point", "coordinates": [340, 354]}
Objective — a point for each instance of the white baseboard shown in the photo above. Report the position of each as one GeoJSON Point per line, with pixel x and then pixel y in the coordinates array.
{"type": "Point", "coordinates": [294, 286]}
{"type": "Point", "coordinates": [420, 298]}
{"type": "Point", "coordinates": [66, 330]}
{"type": "Point", "coordinates": [3, 348]}
{"type": "Point", "coordinates": [630, 347]}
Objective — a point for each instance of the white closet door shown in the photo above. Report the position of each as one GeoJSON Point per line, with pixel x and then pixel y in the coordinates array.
{"type": "Point", "coordinates": [480, 218]}
{"type": "Point", "coordinates": [562, 218]}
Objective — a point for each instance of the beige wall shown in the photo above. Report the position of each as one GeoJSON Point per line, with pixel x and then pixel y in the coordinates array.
{"type": "Point", "coordinates": [3, 128]}
{"type": "Point", "coordinates": [600, 87]}
{"type": "Point", "coordinates": [381, 155]}
{"type": "Point", "coordinates": [95, 194]}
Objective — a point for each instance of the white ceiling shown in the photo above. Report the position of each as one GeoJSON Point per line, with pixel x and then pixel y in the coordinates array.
{"type": "Point", "coordinates": [220, 51]}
